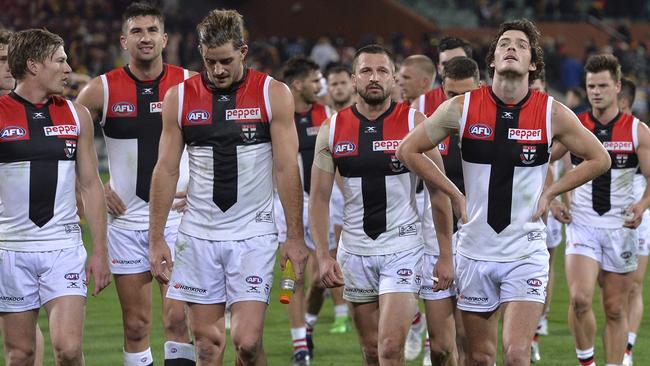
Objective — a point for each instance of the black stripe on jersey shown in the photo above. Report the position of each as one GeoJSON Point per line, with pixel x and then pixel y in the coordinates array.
{"type": "Point", "coordinates": [307, 144]}
{"type": "Point", "coordinates": [224, 184]}
{"type": "Point", "coordinates": [146, 127]}
{"type": "Point", "coordinates": [601, 185]}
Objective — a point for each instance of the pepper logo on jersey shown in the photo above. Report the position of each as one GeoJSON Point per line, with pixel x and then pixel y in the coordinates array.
{"type": "Point", "coordinates": [395, 165]}
{"type": "Point", "coordinates": [528, 154]}
{"type": "Point", "coordinates": [313, 131]}
{"type": "Point", "coordinates": [123, 108]}
{"type": "Point", "coordinates": [198, 115]}
{"type": "Point", "coordinates": [523, 134]}
{"type": "Point", "coordinates": [344, 148]}
{"type": "Point", "coordinates": [480, 131]}
{"type": "Point", "coordinates": [243, 114]}
{"type": "Point", "coordinates": [10, 133]}
{"type": "Point", "coordinates": [70, 148]}
{"type": "Point", "coordinates": [618, 146]}
{"type": "Point", "coordinates": [385, 145]}
{"type": "Point", "coordinates": [155, 107]}
{"type": "Point", "coordinates": [60, 130]}
{"type": "Point", "coordinates": [248, 133]}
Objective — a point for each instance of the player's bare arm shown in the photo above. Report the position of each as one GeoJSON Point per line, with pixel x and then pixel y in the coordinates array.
{"type": "Point", "coordinates": [569, 132]}
{"type": "Point", "coordinates": [284, 140]}
{"type": "Point", "coordinates": [643, 152]}
{"type": "Point", "coordinates": [163, 186]}
{"type": "Point", "coordinates": [93, 199]}
{"type": "Point", "coordinates": [424, 137]}
{"type": "Point", "coordinates": [92, 97]}
{"type": "Point", "coordinates": [442, 218]}
{"type": "Point", "coordinates": [322, 180]}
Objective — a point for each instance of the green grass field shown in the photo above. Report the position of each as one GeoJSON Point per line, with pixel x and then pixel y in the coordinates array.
{"type": "Point", "coordinates": [103, 333]}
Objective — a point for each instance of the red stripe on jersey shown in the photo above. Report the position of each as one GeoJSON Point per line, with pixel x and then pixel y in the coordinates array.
{"type": "Point", "coordinates": [13, 122]}
{"type": "Point", "coordinates": [346, 134]}
{"type": "Point", "coordinates": [396, 126]}
{"type": "Point", "coordinates": [64, 125]}
{"type": "Point", "coordinates": [318, 114]}
{"type": "Point", "coordinates": [432, 100]}
{"type": "Point", "coordinates": [622, 132]}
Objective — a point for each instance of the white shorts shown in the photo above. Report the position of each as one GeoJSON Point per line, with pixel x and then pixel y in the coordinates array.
{"type": "Point", "coordinates": [28, 280]}
{"type": "Point", "coordinates": [281, 225]}
{"type": "Point", "coordinates": [214, 272]}
{"type": "Point", "coordinates": [614, 249]}
{"type": "Point", "coordinates": [484, 285]}
{"type": "Point", "coordinates": [644, 235]}
{"type": "Point", "coordinates": [426, 291]}
{"type": "Point", "coordinates": [128, 250]}
{"type": "Point", "coordinates": [367, 277]}
{"type": "Point", "coordinates": [553, 232]}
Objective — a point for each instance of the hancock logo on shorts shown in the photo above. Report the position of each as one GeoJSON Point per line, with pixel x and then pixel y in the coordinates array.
{"type": "Point", "coordinates": [474, 299]}
{"type": "Point", "coordinates": [360, 291]}
{"type": "Point", "coordinates": [12, 298]}
{"type": "Point", "coordinates": [264, 216]}
{"type": "Point", "coordinates": [72, 228]}
{"type": "Point", "coordinates": [126, 261]}
{"type": "Point", "coordinates": [190, 289]}
{"type": "Point", "coordinates": [535, 282]}
{"type": "Point", "coordinates": [535, 235]}
{"type": "Point", "coordinates": [408, 229]}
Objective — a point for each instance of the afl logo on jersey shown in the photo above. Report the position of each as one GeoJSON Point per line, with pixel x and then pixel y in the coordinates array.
{"type": "Point", "coordinates": [123, 108]}
{"type": "Point", "coordinates": [480, 131]}
{"type": "Point", "coordinates": [198, 115]}
{"type": "Point", "coordinates": [344, 148]}
{"type": "Point", "coordinates": [12, 133]}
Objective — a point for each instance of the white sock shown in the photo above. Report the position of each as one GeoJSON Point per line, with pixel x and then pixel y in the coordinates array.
{"type": "Point", "coordinates": [631, 338]}
{"type": "Point", "coordinates": [341, 310]}
{"type": "Point", "coordinates": [310, 320]}
{"type": "Point", "coordinates": [139, 358]}
{"type": "Point", "coordinates": [176, 350]}
{"type": "Point", "coordinates": [298, 333]}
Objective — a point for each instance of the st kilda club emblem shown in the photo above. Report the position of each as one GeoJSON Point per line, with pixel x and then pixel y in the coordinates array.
{"type": "Point", "coordinates": [528, 154]}
{"type": "Point", "coordinates": [248, 133]}
{"type": "Point", "coordinates": [70, 148]}
{"type": "Point", "coordinates": [395, 165]}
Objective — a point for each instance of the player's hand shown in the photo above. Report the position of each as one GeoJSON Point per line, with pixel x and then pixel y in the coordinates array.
{"type": "Point", "coordinates": [180, 202]}
{"type": "Point", "coordinates": [114, 203]}
{"type": "Point", "coordinates": [160, 258]}
{"type": "Point", "coordinates": [444, 272]}
{"type": "Point", "coordinates": [330, 272]}
{"type": "Point", "coordinates": [560, 211]}
{"type": "Point", "coordinates": [97, 267]}
{"type": "Point", "coordinates": [637, 209]}
{"type": "Point", "coordinates": [459, 205]}
{"type": "Point", "coordinates": [296, 251]}
{"type": "Point", "coordinates": [542, 208]}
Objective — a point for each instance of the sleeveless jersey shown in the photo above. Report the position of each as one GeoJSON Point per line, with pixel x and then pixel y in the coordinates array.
{"type": "Point", "coordinates": [307, 125]}
{"type": "Point", "coordinates": [38, 145]}
{"type": "Point", "coordinates": [227, 132]}
{"type": "Point", "coordinates": [379, 215]}
{"type": "Point", "coordinates": [132, 124]}
{"type": "Point", "coordinates": [602, 202]}
{"type": "Point", "coordinates": [505, 153]}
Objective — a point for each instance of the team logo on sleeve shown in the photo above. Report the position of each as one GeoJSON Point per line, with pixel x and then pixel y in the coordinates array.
{"type": "Point", "coordinates": [70, 148]}
{"type": "Point", "coordinates": [528, 154]}
{"type": "Point", "coordinates": [248, 133]}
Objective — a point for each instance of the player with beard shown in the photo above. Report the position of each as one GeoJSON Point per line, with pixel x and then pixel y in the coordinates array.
{"type": "Point", "coordinates": [380, 251]}
{"type": "Point", "coordinates": [506, 131]}
{"type": "Point", "coordinates": [237, 124]}
{"type": "Point", "coordinates": [46, 144]}
{"type": "Point", "coordinates": [127, 104]}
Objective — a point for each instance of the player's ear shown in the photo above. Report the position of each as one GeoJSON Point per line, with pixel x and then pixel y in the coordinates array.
{"type": "Point", "coordinates": [244, 51]}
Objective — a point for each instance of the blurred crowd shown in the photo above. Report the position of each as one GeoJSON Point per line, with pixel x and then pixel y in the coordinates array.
{"type": "Point", "coordinates": [91, 30]}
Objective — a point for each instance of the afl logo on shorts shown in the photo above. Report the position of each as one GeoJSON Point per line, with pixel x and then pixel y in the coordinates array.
{"type": "Point", "coordinates": [404, 272]}
{"type": "Point", "coordinates": [198, 116]}
{"type": "Point", "coordinates": [254, 280]}
{"type": "Point", "coordinates": [71, 276]}
{"type": "Point", "coordinates": [534, 282]}
{"type": "Point", "coordinates": [344, 148]}
{"type": "Point", "coordinates": [123, 108]}
{"type": "Point", "coordinates": [12, 133]}
{"type": "Point", "coordinates": [480, 131]}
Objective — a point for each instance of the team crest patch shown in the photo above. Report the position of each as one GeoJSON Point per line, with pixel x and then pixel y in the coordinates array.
{"type": "Point", "coordinates": [621, 160]}
{"type": "Point", "coordinates": [248, 133]}
{"type": "Point", "coordinates": [528, 154]}
{"type": "Point", "coordinates": [395, 165]}
{"type": "Point", "coordinates": [70, 148]}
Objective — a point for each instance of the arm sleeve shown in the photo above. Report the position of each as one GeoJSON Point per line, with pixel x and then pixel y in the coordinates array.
{"type": "Point", "coordinates": [322, 155]}
{"type": "Point", "coordinates": [444, 121]}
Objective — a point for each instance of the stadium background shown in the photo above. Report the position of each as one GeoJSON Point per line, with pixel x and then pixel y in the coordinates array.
{"type": "Point", "coordinates": [330, 31]}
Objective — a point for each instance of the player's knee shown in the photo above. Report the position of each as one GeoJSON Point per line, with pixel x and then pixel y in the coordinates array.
{"type": "Point", "coordinates": [391, 348]}
{"type": "Point", "coordinates": [136, 328]}
{"type": "Point", "coordinates": [477, 358]}
{"type": "Point", "coordinates": [208, 349]}
{"type": "Point", "coordinates": [175, 322]}
{"type": "Point", "coordinates": [17, 357]}
{"type": "Point", "coordinates": [441, 350]}
{"type": "Point", "coordinates": [68, 353]}
{"type": "Point", "coordinates": [516, 355]}
{"type": "Point", "coordinates": [370, 355]}
{"type": "Point", "coordinates": [580, 303]}
{"type": "Point", "coordinates": [247, 346]}
{"type": "Point", "coordinates": [614, 310]}
{"type": "Point", "coordinates": [635, 289]}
